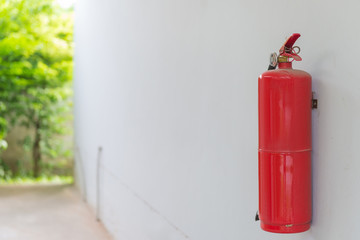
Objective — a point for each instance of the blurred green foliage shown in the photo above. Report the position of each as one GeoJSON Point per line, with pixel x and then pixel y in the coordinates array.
{"type": "Point", "coordinates": [43, 179]}
{"type": "Point", "coordinates": [36, 49]}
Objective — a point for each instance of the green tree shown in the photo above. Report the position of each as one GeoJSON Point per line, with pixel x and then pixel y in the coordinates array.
{"type": "Point", "coordinates": [36, 48]}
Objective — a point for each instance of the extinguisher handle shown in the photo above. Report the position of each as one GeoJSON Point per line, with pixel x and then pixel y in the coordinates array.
{"type": "Point", "coordinates": [287, 48]}
{"type": "Point", "coordinates": [289, 43]}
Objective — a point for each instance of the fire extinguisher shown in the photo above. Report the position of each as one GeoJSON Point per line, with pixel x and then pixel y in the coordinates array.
{"type": "Point", "coordinates": [285, 103]}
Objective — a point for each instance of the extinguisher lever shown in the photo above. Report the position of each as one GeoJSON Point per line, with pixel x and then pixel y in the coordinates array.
{"type": "Point", "coordinates": [288, 50]}
{"type": "Point", "coordinates": [289, 43]}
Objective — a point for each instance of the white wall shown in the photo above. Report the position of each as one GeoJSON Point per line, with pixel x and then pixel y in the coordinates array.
{"type": "Point", "coordinates": [168, 88]}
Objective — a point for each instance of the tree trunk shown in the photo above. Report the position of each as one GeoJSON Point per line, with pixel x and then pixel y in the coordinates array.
{"type": "Point", "coordinates": [36, 151]}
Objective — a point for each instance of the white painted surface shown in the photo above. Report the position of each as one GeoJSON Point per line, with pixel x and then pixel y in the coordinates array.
{"type": "Point", "coordinates": [169, 90]}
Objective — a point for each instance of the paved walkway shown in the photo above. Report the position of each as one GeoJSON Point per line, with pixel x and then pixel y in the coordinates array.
{"type": "Point", "coordinates": [46, 212]}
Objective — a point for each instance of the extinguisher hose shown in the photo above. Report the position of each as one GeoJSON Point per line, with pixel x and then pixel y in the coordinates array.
{"type": "Point", "coordinates": [271, 67]}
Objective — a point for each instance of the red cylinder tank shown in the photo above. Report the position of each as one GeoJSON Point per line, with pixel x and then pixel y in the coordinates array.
{"type": "Point", "coordinates": [285, 149]}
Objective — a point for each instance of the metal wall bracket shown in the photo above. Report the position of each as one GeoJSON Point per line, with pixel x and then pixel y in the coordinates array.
{"type": "Point", "coordinates": [314, 101]}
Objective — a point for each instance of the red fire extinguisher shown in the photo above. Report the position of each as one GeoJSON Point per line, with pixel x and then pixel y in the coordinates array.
{"type": "Point", "coordinates": [285, 102]}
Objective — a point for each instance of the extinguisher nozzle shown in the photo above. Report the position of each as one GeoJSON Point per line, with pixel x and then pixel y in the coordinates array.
{"type": "Point", "coordinates": [257, 216]}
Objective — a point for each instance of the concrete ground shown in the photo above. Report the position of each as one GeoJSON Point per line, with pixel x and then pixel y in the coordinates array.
{"type": "Point", "coordinates": [46, 212]}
